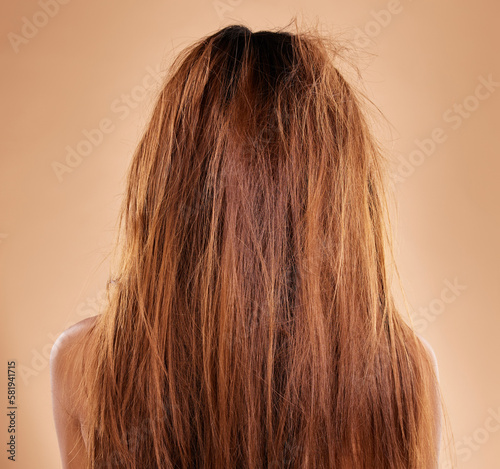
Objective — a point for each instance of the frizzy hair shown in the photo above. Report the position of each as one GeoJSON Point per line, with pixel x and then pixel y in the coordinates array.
{"type": "Point", "coordinates": [251, 322]}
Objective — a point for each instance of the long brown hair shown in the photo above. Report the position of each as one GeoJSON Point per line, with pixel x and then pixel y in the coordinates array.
{"type": "Point", "coordinates": [250, 322]}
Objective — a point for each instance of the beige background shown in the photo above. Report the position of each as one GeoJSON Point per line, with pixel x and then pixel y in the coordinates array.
{"type": "Point", "coordinates": [82, 65]}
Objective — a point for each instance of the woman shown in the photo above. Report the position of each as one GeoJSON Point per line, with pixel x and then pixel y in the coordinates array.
{"type": "Point", "coordinates": [250, 323]}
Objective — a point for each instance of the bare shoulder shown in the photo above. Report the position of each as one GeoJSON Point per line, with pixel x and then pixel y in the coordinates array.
{"type": "Point", "coordinates": [67, 344]}
{"type": "Point", "coordinates": [71, 336]}
{"type": "Point", "coordinates": [65, 358]}
{"type": "Point", "coordinates": [431, 353]}
{"type": "Point", "coordinates": [437, 410]}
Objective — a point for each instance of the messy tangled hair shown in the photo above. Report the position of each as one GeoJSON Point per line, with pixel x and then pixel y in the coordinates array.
{"type": "Point", "coordinates": [251, 323]}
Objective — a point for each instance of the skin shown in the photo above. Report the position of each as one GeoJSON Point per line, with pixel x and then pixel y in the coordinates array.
{"type": "Point", "coordinates": [68, 422]}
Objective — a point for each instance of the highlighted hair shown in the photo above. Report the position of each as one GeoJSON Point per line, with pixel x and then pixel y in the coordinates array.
{"type": "Point", "coordinates": [251, 323]}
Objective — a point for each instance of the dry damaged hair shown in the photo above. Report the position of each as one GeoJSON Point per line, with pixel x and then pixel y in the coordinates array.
{"type": "Point", "coordinates": [251, 323]}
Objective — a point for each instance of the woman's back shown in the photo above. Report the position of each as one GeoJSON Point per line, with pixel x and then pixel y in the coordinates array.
{"type": "Point", "coordinates": [71, 429]}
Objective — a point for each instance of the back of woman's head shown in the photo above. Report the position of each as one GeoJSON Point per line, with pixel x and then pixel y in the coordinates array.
{"type": "Point", "coordinates": [251, 322]}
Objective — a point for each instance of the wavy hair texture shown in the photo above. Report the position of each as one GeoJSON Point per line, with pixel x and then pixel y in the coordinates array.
{"type": "Point", "coordinates": [250, 323]}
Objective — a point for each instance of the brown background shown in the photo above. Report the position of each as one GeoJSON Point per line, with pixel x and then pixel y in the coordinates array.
{"type": "Point", "coordinates": [72, 70]}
